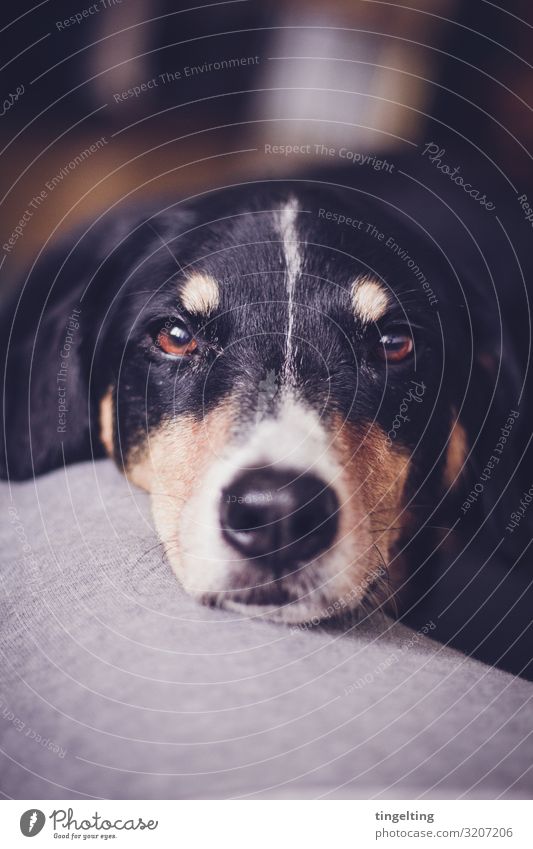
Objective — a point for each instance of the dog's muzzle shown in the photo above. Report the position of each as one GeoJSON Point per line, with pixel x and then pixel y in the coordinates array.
{"type": "Point", "coordinates": [279, 518]}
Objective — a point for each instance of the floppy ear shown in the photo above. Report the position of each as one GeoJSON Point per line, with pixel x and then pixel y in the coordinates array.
{"type": "Point", "coordinates": [46, 411]}
{"type": "Point", "coordinates": [49, 334]}
{"type": "Point", "coordinates": [497, 429]}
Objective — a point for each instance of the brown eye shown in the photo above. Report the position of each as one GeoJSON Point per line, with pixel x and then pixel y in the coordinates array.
{"type": "Point", "coordinates": [177, 340]}
{"type": "Point", "coordinates": [395, 347]}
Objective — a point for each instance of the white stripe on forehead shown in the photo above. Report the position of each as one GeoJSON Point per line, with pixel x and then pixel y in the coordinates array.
{"type": "Point", "coordinates": [286, 222]}
{"type": "Point", "coordinates": [295, 439]}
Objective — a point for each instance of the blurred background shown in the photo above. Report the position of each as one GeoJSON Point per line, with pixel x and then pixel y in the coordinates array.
{"type": "Point", "coordinates": [124, 99]}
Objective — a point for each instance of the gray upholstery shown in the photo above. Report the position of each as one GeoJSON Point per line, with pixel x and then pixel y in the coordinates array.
{"type": "Point", "coordinates": [116, 684]}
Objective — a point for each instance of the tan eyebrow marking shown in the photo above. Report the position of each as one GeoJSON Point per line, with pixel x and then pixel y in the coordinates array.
{"type": "Point", "coordinates": [369, 300]}
{"type": "Point", "coordinates": [200, 294]}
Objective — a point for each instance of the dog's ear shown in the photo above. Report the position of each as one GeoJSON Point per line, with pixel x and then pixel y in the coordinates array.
{"type": "Point", "coordinates": [496, 431]}
{"type": "Point", "coordinates": [49, 337]}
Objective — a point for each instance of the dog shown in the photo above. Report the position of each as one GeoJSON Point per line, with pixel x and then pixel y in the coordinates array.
{"type": "Point", "coordinates": [294, 371]}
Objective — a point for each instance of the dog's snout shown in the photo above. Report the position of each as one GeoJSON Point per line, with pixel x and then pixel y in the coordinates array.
{"type": "Point", "coordinates": [279, 517]}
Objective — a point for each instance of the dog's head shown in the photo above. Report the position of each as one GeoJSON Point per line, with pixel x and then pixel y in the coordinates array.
{"type": "Point", "coordinates": [284, 371]}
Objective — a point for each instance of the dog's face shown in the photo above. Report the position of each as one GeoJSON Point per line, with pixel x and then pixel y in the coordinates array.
{"type": "Point", "coordinates": [273, 374]}
{"type": "Point", "coordinates": [272, 389]}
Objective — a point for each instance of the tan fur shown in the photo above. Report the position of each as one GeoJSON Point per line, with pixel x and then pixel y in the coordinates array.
{"type": "Point", "coordinates": [456, 454]}
{"type": "Point", "coordinates": [174, 463]}
{"type": "Point", "coordinates": [369, 300]}
{"type": "Point", "coordinates": [106, 422]}
{"type": "Point", "coordinates": [168, 457]}
{"type": "Point", "coordinates": [177, 454]}
{"type": "Point", "coordinates": [200, 294]}
{"type": "Point", "coordinates": [375, 475]}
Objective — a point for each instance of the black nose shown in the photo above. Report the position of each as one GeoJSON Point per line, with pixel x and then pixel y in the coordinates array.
{"type": "Point", "coordinates": [279, 517]}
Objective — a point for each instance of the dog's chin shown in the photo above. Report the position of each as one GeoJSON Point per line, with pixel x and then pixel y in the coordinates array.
{"type": "Point", "coordinates": [281, 601]}
{"type": "Point", "coordinates": [291, 613]}
{"type": "Point", "coordinates": [313, 592]}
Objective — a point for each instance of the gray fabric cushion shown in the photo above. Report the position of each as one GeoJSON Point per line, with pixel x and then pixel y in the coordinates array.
{"type": "Point", "coordinates": [115, 684]}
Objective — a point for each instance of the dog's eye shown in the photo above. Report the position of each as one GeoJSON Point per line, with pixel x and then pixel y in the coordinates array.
{"type": "Point", "coordinates": [176, 340]}
{"type": "Point", "coordinates": [395, 347]}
